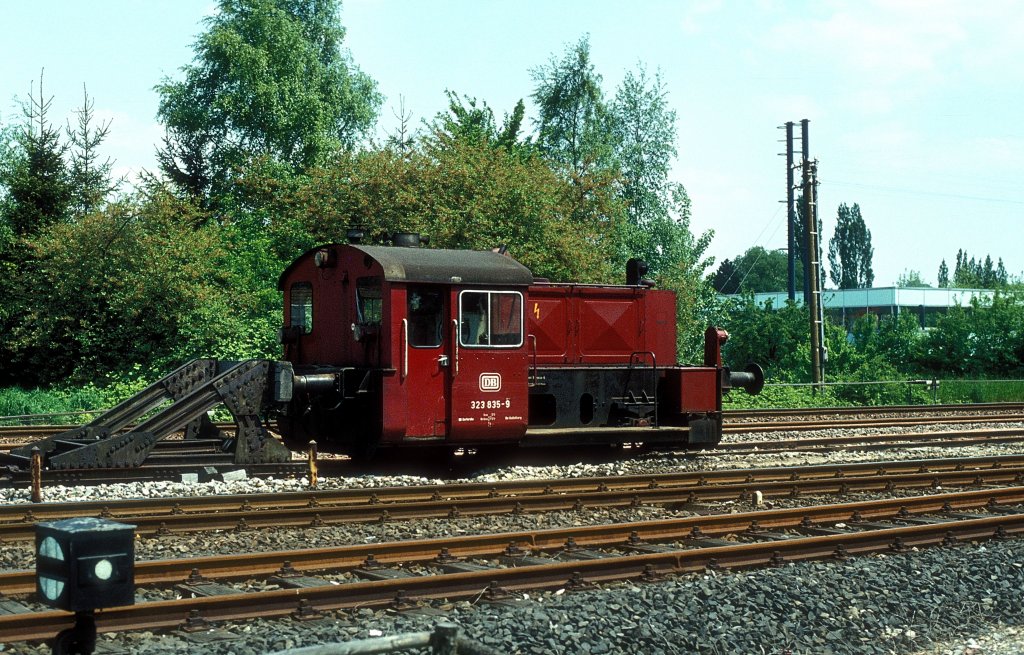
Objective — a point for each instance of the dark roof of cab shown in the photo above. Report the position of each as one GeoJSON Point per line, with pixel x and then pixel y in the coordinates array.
{"type": "Point", "coordinates": [438, 266]}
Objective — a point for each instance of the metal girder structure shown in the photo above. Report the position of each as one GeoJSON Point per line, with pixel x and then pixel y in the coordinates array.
{"type": "Point", "coordinates": [195, 388]}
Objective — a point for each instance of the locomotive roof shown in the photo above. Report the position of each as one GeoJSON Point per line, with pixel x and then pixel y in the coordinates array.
{"type": "Point", "coordinates": [439, 266]}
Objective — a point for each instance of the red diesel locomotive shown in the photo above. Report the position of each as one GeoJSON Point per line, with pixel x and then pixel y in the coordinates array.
{"type": "Point", "coordinates": [410, 346]}
{"type": "Point", "coordinates": [388, 347]}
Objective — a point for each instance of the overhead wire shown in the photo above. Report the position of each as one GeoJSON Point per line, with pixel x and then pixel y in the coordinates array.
{"type": "Point", "coordinates": [757, 241]}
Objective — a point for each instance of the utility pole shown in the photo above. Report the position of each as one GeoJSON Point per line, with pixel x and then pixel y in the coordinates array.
{"type": "Point", "coordinates": [814, 306]}
{"type": "Point", "coordinates": [805, 148]}
{"type": "Point", "coordinates": [791, 244]}
{"type": "Point", "coordinates": [811, 257]}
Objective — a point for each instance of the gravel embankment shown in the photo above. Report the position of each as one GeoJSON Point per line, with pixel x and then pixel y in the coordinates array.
{"type": "Point", "coordinates": [936, 601]}
{"type": "Point", "coordinates": [963, 600]}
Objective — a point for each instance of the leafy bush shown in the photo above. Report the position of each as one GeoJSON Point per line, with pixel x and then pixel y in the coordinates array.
{"type": "Point", "coordinates": [16, 401]}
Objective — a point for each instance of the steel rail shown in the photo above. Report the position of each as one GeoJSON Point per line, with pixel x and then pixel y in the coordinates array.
{"type": "Point", "coordinates": [801, 426]}
{"type": "Point", "coordinates": [140, 507]}
{"type": "Point", "coordinates": [875, 409]}
{"type": "Point", "coordinates": [652, 493]}
{"type": "Point", "coordinates": [949, 437]}
{"type": "Point", "coordinates": [648, 566]}
{"type": "Point", "coordinates": [40, 431]}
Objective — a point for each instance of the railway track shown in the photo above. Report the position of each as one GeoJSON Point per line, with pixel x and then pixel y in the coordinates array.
{"type": "Point", "coordinates": [805, 412]}
{"type": "Point", "coordinates": [176, 458]}
{"type": "Point", "coordinates": [496, 567]}
{"type": "Point", "coordinates": [318, 508]}
{"type": "Point", "coordinates": [16, 435]}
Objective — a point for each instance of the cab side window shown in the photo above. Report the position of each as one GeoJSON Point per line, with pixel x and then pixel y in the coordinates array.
{"type": "Point", "coordinates": [368, 300]}
{"type": "Point", "coordinates": [426, 316]}
{"type": "Point", "coordinates": [491, 318]}
{"type": "Point", "coordinates": [301, 306]}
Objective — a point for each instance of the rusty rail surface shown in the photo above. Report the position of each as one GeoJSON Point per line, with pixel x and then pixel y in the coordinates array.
{"type": "Point", "coordinates": [802, 419]}
{"type": "Point", "coordinates": [648, 566]}
{"type": "Point", "coordinates": [948, 438]}
{"type": "Point", "coordinates": [800, 412]}
{"type": "Point", "coordinates": [312, 508]}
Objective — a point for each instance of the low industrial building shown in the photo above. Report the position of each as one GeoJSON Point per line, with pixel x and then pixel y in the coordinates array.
{"type": "Point", "coordinates": [847, 305]}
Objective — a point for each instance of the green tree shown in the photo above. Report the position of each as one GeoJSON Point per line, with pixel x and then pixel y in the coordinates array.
{"type": "Point", "coordinates": [774, 338]}
{"type": "Point", "coordinates": [850, 251]}
{"type": "Point", "coordinates": [943, 277]}
{"type": "Point", "coordinates": [462, 193]}
{"type": "Point", "coordinates": [131, 284]}
{"type": "Point", "coordinates": [657, 228]}
{"type": "Point", "coordinates": [472, 120]}
{"type": "Point", "coordinates": [757, 270]}
{"type": "Point", "coordinates": [979, 274]}
{"type": "Point", "coordinates": [270, 78]}
{"type": "Point", "coordinates": [91, 179]}
{"type": "Point", "coordinates": [911, 278]}
{"type": "Point", "coordinates": [34, 175]}
{"type": "Point", "coordinates": [573, 122]}
{"type": "Point", "coordinates": [726, 279]}
{"type": "Point", "coordinates": [985, 339]}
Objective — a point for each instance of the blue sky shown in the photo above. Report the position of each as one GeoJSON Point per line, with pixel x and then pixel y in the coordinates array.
{"type": "Point", "coordinates": [915, 105]}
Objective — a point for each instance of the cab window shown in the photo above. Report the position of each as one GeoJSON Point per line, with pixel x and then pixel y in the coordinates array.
{"type": "Point", "coordinates": [301, 306]}
{"type": "Point", "coordinates": [426, 316]}
{"type": "Point", "coordinates": [368, 300]}
{"type": "Point", "coordinates": [491, 318]}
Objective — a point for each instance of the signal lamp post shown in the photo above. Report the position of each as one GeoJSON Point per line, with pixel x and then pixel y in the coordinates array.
{"type": "Point", "coordinates": [82, 565]}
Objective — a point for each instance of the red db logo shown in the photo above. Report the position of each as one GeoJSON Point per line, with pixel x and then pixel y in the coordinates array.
{"type": "Point", "coordinates": [490, 382]}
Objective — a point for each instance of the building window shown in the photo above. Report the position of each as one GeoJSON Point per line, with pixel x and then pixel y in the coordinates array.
{"type": "Point", "coordinates": [301, 307]}
{"type": "Point", "coordinates": [491, 318]}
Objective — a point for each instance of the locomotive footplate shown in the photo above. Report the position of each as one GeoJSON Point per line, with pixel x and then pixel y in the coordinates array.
{"type": "Point", "coordinates": [603, 435]}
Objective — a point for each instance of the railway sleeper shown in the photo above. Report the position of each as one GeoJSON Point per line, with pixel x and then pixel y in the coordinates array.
{"type": "Point", "coordinates": [765, 535]}
{"type": "Point", "coordinates": [815, 531]}
{"type": "Point", "coordinates": [463, 567]}
{"type": "Point", "coordinates": [296, 581]}
{"type": "Point", "coordinates": [581, 555]}
{"type": "Point", "coordinates": [206, 588]}
{"type": "Point", "coordinates": [382, 574]}
{"type": "Point", "coordinates": [923, 521]}
{"type": "Point", "coordinates": [8, 606]}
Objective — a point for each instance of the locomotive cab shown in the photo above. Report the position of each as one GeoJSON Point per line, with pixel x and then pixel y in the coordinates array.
{"type": "Point", "coordinates": [402, 346]}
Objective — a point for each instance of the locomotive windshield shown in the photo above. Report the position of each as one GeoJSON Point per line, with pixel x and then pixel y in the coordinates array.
{"type": "Point", "coordinates": [491, 318]}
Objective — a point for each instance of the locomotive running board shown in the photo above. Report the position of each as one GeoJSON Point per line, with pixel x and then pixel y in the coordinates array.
{"type": "Point", "coordinates": [195, 388]}
{"type": "Point", "coordinates": [585, 436]}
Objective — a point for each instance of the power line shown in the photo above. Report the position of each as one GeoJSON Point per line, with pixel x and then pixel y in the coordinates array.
{"type": "Point", "coordinates": [756, 242]}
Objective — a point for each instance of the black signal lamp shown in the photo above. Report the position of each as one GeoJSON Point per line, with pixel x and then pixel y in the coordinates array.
{"type": "Point", "coordinates": [84, 564]}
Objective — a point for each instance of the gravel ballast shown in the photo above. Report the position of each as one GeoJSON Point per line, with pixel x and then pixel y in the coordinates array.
{"type": "Point", "coordinates": [934, 601]}
{"type": "Point", "coordinates": [961, 600]}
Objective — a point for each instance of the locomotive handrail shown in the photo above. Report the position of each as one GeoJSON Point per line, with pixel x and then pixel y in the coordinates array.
{"type": "Point", "coordinates": [455, 342]}
{"type": "Point", "coordinates": [405, 348]}
{"type": "Point", "coordinates": [533, 338]}
{"type": "Point", "coordinates": [654, 376]}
